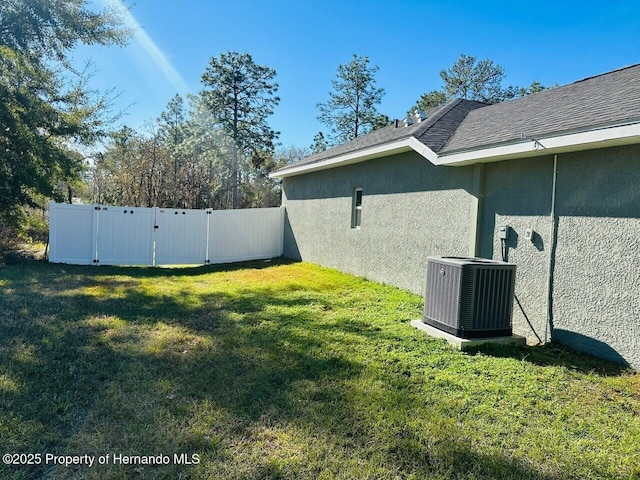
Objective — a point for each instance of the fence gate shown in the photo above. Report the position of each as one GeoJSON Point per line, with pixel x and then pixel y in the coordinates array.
{"type": "Point", "coordinates": [107, 235]}
{"type": "Point", "coordinates": [180, 236]}
{"type": "Point", "coordinates": [125, 236]}
{"type": "Point", "coordinates": [72, 233]}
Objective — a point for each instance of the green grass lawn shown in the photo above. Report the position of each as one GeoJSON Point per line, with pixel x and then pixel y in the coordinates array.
{"type": "Point", "coordinates": [286, 370]}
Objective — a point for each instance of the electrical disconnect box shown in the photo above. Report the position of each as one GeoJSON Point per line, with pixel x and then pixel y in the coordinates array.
{"type": "Point", "coordinates": [503, 232]}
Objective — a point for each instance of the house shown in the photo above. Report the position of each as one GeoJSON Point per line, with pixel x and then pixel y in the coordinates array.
{"type": "Point", "coordinates": [563, 163]}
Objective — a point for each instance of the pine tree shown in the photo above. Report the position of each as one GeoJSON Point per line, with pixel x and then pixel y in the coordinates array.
{"type": "Point", "coordinates": [319, 143]}
{"type": "Point", "coordinates": [242, 95]}
{"type": "Point", "coordinates": [351, 108]}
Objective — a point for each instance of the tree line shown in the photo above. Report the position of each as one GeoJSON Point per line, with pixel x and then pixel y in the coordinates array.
{"type": "Point", "coordinates": [217, 150]}
{"type": "Point", "coordinates": [351, 110]}
{"type": "Point", "coordinates": [214, 149]}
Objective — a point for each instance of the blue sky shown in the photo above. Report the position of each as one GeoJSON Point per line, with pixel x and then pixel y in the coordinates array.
{"type": "Point", "coordinates": [305, 41]}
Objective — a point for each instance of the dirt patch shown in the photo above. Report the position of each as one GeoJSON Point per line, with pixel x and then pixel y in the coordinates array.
{"type": "Point", "coordinates": [17, 254]}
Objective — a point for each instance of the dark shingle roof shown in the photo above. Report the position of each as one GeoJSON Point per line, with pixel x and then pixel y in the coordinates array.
{"type": "Point", "coordinates": [384, 135]}
{"type": "Point", "coordinates": [444, 123]}
{"type": "Point", "coordinates": [607, 99]}
{"type": "Point", "coordinates": [461, 125]}
{"type": "Point", "coordinates": [433, 132]}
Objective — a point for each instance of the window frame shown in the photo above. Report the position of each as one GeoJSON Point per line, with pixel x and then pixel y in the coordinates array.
{"type": "Point", "coordinates": [356, 209]}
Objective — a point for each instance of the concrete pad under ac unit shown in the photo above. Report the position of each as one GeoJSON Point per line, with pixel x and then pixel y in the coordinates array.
{"type": "Point", "coordinates": [467, 343]}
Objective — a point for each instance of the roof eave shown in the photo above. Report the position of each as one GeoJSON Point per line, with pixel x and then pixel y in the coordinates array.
{"type": "Point", "coordinates": [627, 134]}
{"type": "Point", "coordinates": [391, 148]}
{"type": "Point", "coordinates": [617, 135]}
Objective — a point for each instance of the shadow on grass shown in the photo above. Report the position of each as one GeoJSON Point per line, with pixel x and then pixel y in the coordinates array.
{"type": "Point", "coordinates": [272, 361]}
{"type": "Point", "coordinates": [59, 367]}
{"type": "Point", "coordinates": [556, 355]}
{"type": "Point", "coordinates": [162, 271]}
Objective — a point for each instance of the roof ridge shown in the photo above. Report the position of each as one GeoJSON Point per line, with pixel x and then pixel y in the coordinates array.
{"type": "Point", "coordinates": [546, 91]}
{"type": "Point", "coordinates": [444, 123]}
{"type": "Point", "coordinates": [453, 131]}
{"type": "Point", "coordinates": [437, 115]}
{"type": "Point", "coordinates": [626, 67]}
{"type": "Point", "coordinates": [444, 110]}
{"type": "Point", "coordinates": [594, 102]}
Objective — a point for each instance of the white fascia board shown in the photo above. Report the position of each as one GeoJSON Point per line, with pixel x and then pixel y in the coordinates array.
{"type": "Point", "coordinates": [600, 138]}
{"type": "Point", "coordinates": [387, 149]}
{"type": "Point", "coordinates": [419, 147]}
{"type": "Point", "coordinates": [572, 142]}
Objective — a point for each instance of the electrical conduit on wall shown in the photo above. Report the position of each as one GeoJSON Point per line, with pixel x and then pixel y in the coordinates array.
{"type": "Point", "coordinates": [552, 252]}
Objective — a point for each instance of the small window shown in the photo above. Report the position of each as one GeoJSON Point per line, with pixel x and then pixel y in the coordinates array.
{"type": "Point", "coordinates": [356, 213]}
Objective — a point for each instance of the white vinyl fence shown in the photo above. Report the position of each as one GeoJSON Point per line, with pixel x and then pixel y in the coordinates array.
{"type": "Point", "coordinates": [95, 234]}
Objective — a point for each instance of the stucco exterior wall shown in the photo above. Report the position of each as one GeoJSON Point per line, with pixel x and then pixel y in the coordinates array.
{"type": "Point", "coordinates": [596, 282]}
{"type": "Point", "coordinates": [518, 194]}
{"type": "Point", "coordinates": [410, 210]}
{"type": "Point", "coordinates": [593, 270]}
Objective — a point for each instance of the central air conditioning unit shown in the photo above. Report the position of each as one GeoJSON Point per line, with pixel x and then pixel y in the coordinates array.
{"type": "Point", "coordinates": [470, 297]}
